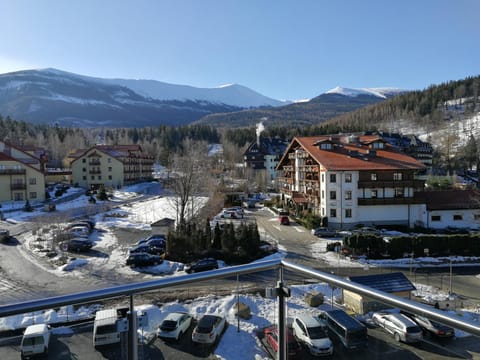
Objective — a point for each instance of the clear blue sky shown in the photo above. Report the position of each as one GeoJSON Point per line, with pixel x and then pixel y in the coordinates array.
{"type": "Point", "coordinates": [283, 49]}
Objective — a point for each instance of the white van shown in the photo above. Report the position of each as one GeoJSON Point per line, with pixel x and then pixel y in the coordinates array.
{"type": "Point", "coordinates": [35, 341]}
{"type": "Point", "coordinates": [105, 329]}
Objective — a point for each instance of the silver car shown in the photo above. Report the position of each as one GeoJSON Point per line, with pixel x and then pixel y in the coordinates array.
{"type": "Point", "coordinates": [401, 327]}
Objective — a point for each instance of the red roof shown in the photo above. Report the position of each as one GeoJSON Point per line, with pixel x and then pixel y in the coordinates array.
{"type": "Point", "coordinates": [355, 155]}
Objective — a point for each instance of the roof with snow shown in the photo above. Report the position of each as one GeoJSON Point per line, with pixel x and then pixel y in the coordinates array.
{"type": "Point", "coordinates": [389, 282]}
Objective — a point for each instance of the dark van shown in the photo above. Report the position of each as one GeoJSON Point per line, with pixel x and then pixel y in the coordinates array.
{"type": "Point", "coordinates": [351, 332]}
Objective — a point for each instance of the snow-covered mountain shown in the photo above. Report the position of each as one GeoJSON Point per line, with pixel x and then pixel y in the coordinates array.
{"type": "Point", "coordinates": [231, 94]}
{"type": "Point", "coordinates": [50, 95]}
{"type": "Point", "coordinates": [383, 93]}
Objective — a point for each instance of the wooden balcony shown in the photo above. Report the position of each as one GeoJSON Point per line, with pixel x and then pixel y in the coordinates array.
{"type": "Point", "coordinates": [416, 184]}
{"type": "Point", "coordinates": [390, 201]}
{"type": "Point", "coordinates": [13, 171]}
{"type": "Point", "coordinates": [18, 186]}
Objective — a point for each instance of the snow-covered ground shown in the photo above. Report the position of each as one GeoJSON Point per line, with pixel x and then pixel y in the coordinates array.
{"type": "Point", "coordinates": [139, 214]}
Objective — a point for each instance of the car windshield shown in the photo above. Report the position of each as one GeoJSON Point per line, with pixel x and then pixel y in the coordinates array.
{"type": "Point", "coordinates": [32, 341]}
{"type": "Point", "coordinates": [317, 332]}
{"type": "Point", "coordinates": [169, 325]}
{"type": "Point", "coordinates": [413, 329]}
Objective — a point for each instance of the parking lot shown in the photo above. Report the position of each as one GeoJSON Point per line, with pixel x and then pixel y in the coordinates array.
{"type": "Point", "coordinates": [77, 344]}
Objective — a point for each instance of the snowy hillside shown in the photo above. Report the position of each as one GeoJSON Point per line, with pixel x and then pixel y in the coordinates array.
{"type": "Point", "coordinates": [383, 93]}
{"type": "Point", "coordinates": [231, 94]}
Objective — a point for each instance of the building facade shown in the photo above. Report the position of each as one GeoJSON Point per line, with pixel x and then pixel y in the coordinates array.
{"type": "Point", "coordinates": [21, 173]}
{"type": "Point", "coordinates": [350, 180]}
{"type": "Point", "coordinates": [264, 154]}
{"type": "Point", "coordinates": [110, 166]}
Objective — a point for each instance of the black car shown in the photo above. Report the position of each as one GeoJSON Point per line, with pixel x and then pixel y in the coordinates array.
{"type": "Point", "coordinates": [77, 245]}
{"type": "Point", "coordinates": [157, 245]}
{"type": "Point", "coordinates": [148, 248]}
{"type": "Point", "coordinates": [143, 259]}
{"type": "Point", "coordinates": [201, 265]}
{"type": "Point", "coordinates": [433, 328]}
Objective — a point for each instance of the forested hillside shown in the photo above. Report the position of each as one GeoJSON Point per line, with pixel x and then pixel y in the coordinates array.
{"type": "Point", "coordinates": [158, 141]}
{"type": "Point", "coordinates": [427, 108]}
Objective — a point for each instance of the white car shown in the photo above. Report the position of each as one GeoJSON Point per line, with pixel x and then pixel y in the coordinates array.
{"type": "Point", "coordinates": [174, 325]}
{"type": "Point", "coordinates": [313, 333]}
{"type": "Point", "coordinates": [400, 326]}
{"type": "Point", "coordinates": [208, 329]}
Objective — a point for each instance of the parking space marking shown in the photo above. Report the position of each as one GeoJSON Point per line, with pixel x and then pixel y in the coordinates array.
{"type": "Point", "coordinates": [299, 229]}
{"type": "Point", "coordinates": [277, 227]}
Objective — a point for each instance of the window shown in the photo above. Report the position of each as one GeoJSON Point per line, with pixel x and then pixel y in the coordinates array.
{"type": "Point", "coordinates": [377, 145]}
{"type": "Point", "coordinates": [333, 195]}
{"type": "Point", "coordinates": [457, 217]}
{"type": "Point", "coordinates": [99, 177]}
{"type": "Point", "coordinates": [436, 218]}
{"type": "Point", "coordinates": [33, 195]}
{"type": "Point", "coordinates": [348, 213]}
{"type": "Point", "coordinates": [32, 181]}
{"type": "Point", "coordinates": [374, 194]}
{"type": "Point", "coordinates": [323, 211]}
{"type": "Point", "coordinates": [109, 160]}
{"type": "Point", "coordinates": [373, 177]}
{"type": "Point", "coordinates": [333, 213]}
{"type": "Point", "coordinates": [397, 176]}
{"type": "Point", "coordinates": [84, 177]}
{"type": "Point", "coordinates": [18, 196]}
{"type": "Point", "coordinates": [84, 169]}
{"type": "Point", "coordinates": [348, 178]}
{"type": "Point", "coordinates": [92, 177]}
{"type": "Point", "coordinates": [333, 178]}
{"type": "Point", "coordinates": [348, 195]}
{"type": "Point", "coordinates": [84, 160]}
{"type": "Point", "coordinates": [323, 177]}
{"type": "Point", "coordinates": [398, 192]}
{"type": "Point", "coordinates": [109, 177]}
{"type": "Point", "coordinates": [323, 194]}
{"type": "Point", "coordinates": [326, 146]}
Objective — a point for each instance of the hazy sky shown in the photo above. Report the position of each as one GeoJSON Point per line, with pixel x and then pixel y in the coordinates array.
{"type": "Point", "coordinates": [283, 49]}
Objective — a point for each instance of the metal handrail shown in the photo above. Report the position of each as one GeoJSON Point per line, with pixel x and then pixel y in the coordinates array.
{"type": "Point", "coordinates": [131, 289]}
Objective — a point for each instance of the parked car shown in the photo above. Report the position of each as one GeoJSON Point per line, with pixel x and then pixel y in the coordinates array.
{"type": "Point", "coordinates": [156, 237]}
{"type": "Point", "coordinates": [81, 224]}
{"type": "Point", "coordinates": [368, 230]}
{"type": "Point", "coordinates": [230, 215]}
{"type": "Point", "coordinates": [157, 245]}
{"type": "Point", "coordinates": [238, 210]}
{"type": "Point", "coordinates": [430, 327]}
{"type": "Point", "coordinates": [174, 325]}
{"type": "Point", "coordinates": [4, 235]}
{"type": "Point", "coordinates": [283, 218]}
{"type": "Point", "coordinates": [146, 248]}
{"type": "Point", "coordinates": [400, 326]}
{"type": "Point", "coordinates": [77, 245]}
{"type": "Point", "coordinates": [294, 350]}
{"type": "Point", "coordinates": [35, 341]}
{"type": "Point", "coordinates": [313, 333]}
{"type": "Point", "coordinates": [81, 231]}
{"type": "Point", "coordinates": [209, 329]}
{"type": "Point", "coordinates": [143, 259]}
{"type": "Point", "coordinates": [324, 232]}
{"type": "Point", "coordinates": [201, 265]}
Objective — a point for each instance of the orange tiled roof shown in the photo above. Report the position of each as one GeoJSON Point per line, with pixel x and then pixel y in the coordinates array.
{"type": "Point", "coordinates": [346, 155]}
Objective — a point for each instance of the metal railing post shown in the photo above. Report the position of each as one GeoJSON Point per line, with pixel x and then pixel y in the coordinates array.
{"type": "Point", "coordinates": [282, 344]}
{"type": "Point", "coordinates": [132, 333]}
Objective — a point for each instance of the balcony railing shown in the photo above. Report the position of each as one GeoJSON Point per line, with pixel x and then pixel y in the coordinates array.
{"type": "Point", "coordinates": [94, 162]}
{"type": "Point", "coordinates": [13, 171]}
{"type": "Point", "coordinates": [416, 184]}
{"type": "Point", "coordinates": [391, 201]}
{"type": "Point", "coordinates": [18, 186]}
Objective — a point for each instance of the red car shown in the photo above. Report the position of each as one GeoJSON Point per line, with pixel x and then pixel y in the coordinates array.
{"type": "Point", "coordinates": [294, 349]}
{"type": "Point", "coordinates": [283, 218]}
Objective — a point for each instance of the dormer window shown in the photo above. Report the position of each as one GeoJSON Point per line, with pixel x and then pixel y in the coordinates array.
{"type": "Point", "coordinates": [378, 145]}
